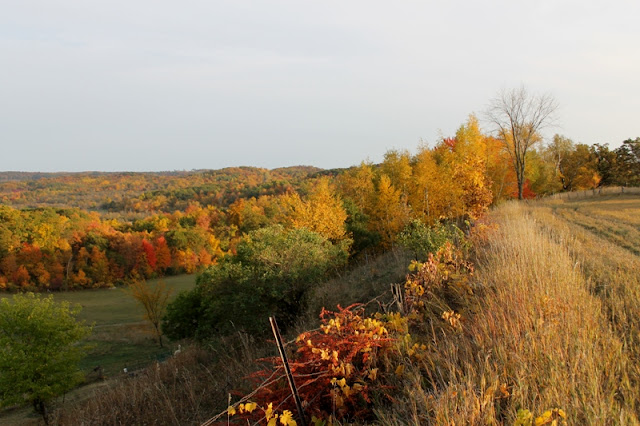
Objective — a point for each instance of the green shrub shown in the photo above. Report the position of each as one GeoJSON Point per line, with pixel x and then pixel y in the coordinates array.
{"type": "Point", "coordinates": [421, 239]}
{"type": "Point", "coordinates": [183, 315]}
{"type": "Point", "coordinates": [39, 351]}
{"type": "Point", "coordinates": [357, 227]}
{"type": "Point", "coordinates": [270, 275]}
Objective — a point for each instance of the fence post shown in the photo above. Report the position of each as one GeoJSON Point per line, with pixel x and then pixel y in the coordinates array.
{"type": "Point", "coordinates": [287, 370]}
{"type": "Point", "coordinates": [396, 291]}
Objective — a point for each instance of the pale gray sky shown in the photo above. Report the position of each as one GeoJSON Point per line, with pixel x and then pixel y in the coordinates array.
{"type": "Point", "coordinates": [166, 85]}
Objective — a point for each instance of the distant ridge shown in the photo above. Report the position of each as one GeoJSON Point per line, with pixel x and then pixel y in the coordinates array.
{"type": "Point", "coordinates": [124, 191]}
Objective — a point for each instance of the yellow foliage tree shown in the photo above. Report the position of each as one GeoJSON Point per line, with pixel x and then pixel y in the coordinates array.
{"type": "Point", "coordinates": [397, 166]}
{"type": "Point", "coordinates": [426, 195]}
{"type": "Point", "coordinates": [358, 184]}
{"type": "Point", "coordinates": [389, 214]}
{"type": "Point", "coordinates": [469, 171]}
{"type": "Point", "coordinates": [321, 212]}
{"type": "Point", "coordinates": [498, 166]}
{"type": "Point", "coordinates": [469, 174]}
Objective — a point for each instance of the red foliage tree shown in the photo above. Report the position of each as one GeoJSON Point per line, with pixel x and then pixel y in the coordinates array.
{"type": "Point", "coordinates": [527, 193]}
{"type": "Point", "coordinates": [150, 253]}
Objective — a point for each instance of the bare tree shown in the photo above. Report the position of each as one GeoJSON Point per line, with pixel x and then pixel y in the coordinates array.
{"type": "Point", "coordinates": [518, 117]}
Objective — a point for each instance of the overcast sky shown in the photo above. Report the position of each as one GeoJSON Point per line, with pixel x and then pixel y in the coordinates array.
{"type": "Point", "coordinates": [167, 85]}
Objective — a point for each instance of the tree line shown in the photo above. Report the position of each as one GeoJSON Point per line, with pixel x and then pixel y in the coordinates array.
{"type": "Point", "coordinates": [362, 208]}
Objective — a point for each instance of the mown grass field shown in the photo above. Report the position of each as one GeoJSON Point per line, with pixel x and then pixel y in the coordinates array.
{"type": "Point", "coordinates": [615, 219]}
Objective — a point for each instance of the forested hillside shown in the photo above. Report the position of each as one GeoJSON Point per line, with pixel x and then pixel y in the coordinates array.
{"type": "Point", "coordinates": [127, 192]}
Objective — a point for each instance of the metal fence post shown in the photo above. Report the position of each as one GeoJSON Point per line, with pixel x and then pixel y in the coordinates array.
{"type": "Point", "coordinates": [287, 370]}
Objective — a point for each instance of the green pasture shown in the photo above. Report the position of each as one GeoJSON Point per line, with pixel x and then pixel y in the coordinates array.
{"type": "Point", "coordinates": [111, 306]}
{"type": "Point", "coordinates": [121, 337]}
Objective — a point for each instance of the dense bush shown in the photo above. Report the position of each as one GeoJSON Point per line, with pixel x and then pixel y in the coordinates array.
{"type": "Point", "coordinates": [421, 239]}
{"type": "Point", "coordinates": [356, 226]}
{"type": "Point", "coordinates": [270, 274]}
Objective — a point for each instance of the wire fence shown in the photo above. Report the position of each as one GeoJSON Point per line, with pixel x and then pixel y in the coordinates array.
{"type": "Point", "coordinates": [279, 372]}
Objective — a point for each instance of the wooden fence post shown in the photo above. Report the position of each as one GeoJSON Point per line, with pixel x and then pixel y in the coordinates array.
{"type": "Point", "coordinates": [287, 370]}
{"type": "Point", "coordinates": [396, 291]}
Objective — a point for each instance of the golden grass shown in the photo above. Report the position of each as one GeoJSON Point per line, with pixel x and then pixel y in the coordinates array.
{"type": "Point", "coordinates": [555, 324]}
{"type": "Point", "coordinates": [613, 218]}
{"type": "Point", "coordinates": [181, 391]}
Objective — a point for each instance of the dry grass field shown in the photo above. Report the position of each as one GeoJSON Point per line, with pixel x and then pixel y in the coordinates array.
{"type": "Point", "coordinates": [555, 323]}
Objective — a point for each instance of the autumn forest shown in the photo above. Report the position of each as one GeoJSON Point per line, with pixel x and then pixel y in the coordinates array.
{"type": "Point", "coordinates": [68, 231]}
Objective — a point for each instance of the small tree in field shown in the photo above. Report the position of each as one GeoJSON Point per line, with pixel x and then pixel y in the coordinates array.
{"type": "Point", "coordinates": [39, 351]}
{"type": "Point", "coordinates": [154, 300]}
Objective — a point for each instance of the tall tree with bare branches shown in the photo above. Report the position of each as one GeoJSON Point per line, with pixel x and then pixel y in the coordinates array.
{"type": "Point", "coordinates": [518, 118]}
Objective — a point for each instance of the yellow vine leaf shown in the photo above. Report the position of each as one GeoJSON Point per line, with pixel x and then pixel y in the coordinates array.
{"type": "Point", "coordinates": [269, 412]}
{"type": "Point", "coordinates": [348, 369]}
{"type": "Point", "coordinates": [550, 417]}
{"type": "Point", "coordinates": [525, 418]}
{"type": "Point", "coordinates": [543, 419]}
{"type": "Point", "coordinates": [250, 406]}
{"type": "Point", "coordinates": [286, 418]}
{"type": "Point", "coordinates": [373, 373]}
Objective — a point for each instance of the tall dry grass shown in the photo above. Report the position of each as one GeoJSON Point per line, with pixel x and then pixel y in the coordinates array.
{"type": "Point", "coordinates": [185, 390]}
{"type": "Point", "coordinates": [536, 337]}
